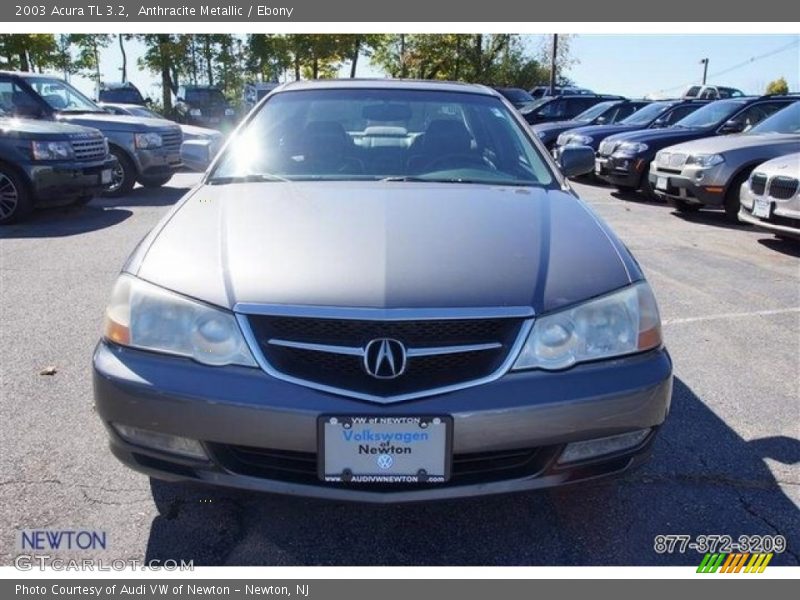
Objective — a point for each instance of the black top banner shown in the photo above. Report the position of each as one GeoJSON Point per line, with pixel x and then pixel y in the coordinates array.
{"type": "Point", "coordinates": [443, 11]}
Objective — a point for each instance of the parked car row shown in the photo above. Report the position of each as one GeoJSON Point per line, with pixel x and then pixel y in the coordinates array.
{"type": "Point", "coordinates": [702, 153]}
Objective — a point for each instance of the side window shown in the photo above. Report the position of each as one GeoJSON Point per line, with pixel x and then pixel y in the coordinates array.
{"type": "Point", "coordinates": [754, 114]}
{"type": "Point", "coordinates": [624, 110]}
{"type": "Point", "coordinates": [14, 101]}
{"type": "Point", "coordinates": [578, 105]}
{"type": "Point", "coordinates": [555, 108]}
{"type": "Point", "coordinates": [182, 92]}
{"type": "Point", "coordinates": [677, 113]}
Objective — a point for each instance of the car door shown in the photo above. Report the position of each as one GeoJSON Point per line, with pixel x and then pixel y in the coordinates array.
{"type": "Point", "coordinates": [753, 114]}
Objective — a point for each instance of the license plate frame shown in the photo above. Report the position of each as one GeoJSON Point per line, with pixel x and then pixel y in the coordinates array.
{"type": "Point", "coordinates": [365, 468]}
{"type": "Point", "coordinates": [762, 208]}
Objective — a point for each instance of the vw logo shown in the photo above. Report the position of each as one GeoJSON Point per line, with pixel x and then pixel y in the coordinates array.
{"type": "Point", "coordinates": [385, 461]}
{"type": "Point", "coordinates": [385, 358]}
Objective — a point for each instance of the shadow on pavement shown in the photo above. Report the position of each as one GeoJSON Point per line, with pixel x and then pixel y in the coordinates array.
{"type": "Point", "coordinates": [142, 196]}
{"type": "Point", "coordinates": [65, 221]}
{"type": "Point", "coordinates": [784, 246]}
{"type": "Point", "coordinates": [703, 479]}
{"type": "Point", "coordinates": [715, 218]}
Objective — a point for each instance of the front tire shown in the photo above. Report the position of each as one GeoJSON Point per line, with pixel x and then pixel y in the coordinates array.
{"type": "Point", "coordinates": [731, 202]}
{"type": "Point", "coordinates": [123, 176]}
{"type": "Point", "coordinates": [15, 198]}
{"type": "Point", "coordinates": [155, 182]}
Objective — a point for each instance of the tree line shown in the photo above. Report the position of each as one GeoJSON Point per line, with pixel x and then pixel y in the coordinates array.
{"type": "Point", "coordinates": [228, 61]}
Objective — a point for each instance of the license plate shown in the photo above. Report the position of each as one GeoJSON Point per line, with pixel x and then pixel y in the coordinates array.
{"type": "Point", "coordinates": [761, 208]}
{"type": "Point", "coordinates": [105, 176]}
{"type": "Point", "coordinates": [385, 449]}
{"type": "Point", "coordinates": [661, 183]}
{"type": "Point", "coordinates": [213, 120]}
{"type": "Point", "coordinates": [598, 165]}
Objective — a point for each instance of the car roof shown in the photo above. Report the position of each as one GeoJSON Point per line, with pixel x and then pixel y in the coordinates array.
{"type": "Point", "coordinates": [389, 84]}
{"type": "Point", "coordinates": [117, 85]}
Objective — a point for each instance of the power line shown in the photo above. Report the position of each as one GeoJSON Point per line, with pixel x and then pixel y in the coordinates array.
{"type": "Point", "coordinates": [749, 61]}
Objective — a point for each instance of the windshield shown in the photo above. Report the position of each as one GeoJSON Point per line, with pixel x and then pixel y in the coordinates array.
{"type": "Point", "coordinates": [592, 113]}
{"type": "Point", "coordinates": [122, 95]}
{"type": "Point", "coordinates": [384, 134]}
{"type": "Point", "coordinates": [783, 121]}
{"type": "Point", "coordinates": [531, 106]}
{"type": "Point", "coordinates": [646, 114]}
{"type": "Point", "coordinates": [516, 95]}
{"type": "Point", "coordinates": [61, 96]}
{"type": "Point", "coordinates": [205, 96]}
{"type": "Point", "coordinates": [711, 114]}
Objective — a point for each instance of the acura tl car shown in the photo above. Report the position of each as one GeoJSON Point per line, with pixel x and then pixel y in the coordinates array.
{"type": "Point", "coordinates": [711, 171]}
{"type": "Point", "coordinates": [383, 291]}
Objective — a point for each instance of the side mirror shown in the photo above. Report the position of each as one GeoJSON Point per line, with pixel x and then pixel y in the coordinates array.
{"type": "Point", "coordinates": [659, 123]}
{"type": "Point", "coordinates": [732, 127]}
{"type": "Point", "coordinates": [196, 154]}
{"type": "Point", "coordinates": [576, 160]}
{"type": "Point", "coordinates": [601, 120]}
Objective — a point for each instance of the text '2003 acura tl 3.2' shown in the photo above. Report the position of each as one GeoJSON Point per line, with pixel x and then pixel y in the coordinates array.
{"type": "Point", "coordinates": [383, 291]}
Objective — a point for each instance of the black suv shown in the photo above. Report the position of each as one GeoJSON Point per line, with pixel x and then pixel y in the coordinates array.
{"type": "Point", "coordinates": [623, 160]}
{"type": "Point", "coordinates": [517, 96]}
{"type": "Point", "coordinates": [561, 108]}
{"type": "Point", "coordinates": [603, 113]}
{"type": "Point", "coordinates": [203, 105]}
{"type": "Point", "coordinates": [121, 93]}
{"type": "Point", "coordinates": [656, 115]}
{"type": "Point", "coordinates": [48, 163]}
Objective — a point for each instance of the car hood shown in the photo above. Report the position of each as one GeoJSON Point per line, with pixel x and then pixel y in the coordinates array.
{"type": "Point", "coordinates": [602, 131]}
{"type": "Point", "coordinates": [384, 245]}
{"type": "Point", "coordinates": [726, 143]}
{"type": "Point", "coordinates": [108, 122]}
{"type": "Point", "coordinates": [42, 129]}
{"type": "Point", "coordinates": [667, 135]}
{"type": "Point", "coordinates": [191, 132]}
{"type": "Point", "coordinates": [557, 125]}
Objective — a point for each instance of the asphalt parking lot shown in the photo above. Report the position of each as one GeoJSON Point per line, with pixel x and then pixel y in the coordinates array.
{"type": "Point", "coordinates": [727, 461]}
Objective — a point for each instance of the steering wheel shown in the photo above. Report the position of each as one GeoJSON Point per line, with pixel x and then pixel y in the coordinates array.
{"type": "Point", "coordinates": [461, 157]}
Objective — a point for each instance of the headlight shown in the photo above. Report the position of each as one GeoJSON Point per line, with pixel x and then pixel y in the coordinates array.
{"type": "Point", "coordinates": [142, 315]}
{"type": "Point", "coordinates": [51, 150]}
{"type": "Point", "coordinates": [195, 112]}
{"type": "Point", "coordinates": [229, 112]}
{"type": "Point", "coordinates": [148, 140]}
{"type": "Point", "coordinates": [620, 323]}
{"type": "Point", "coordinates": [705, 160]}
{"type": "Point", "coordinates": [631, 148]}
{"type": "Point", "coordinates": [574, 139]}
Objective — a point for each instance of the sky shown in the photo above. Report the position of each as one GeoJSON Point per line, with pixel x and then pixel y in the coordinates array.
{"type": "Point", "coordinates": [630, 65]}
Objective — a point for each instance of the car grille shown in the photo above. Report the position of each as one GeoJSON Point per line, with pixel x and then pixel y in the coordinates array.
{"type": "Point", "coordinates": [671, 160]}
{"type": "Point", "coordinates": [172, 138]}
{"type": "Point", "coordinates": [89, 149]}
{"type": "Point", "coordinates": [301, 467]}
{"type": "Point", "coordinates": [440, 353]}
{"type": "Point", "coordinates": [758, 183]}
{"type": "Point", "coordinates": [782, 188]}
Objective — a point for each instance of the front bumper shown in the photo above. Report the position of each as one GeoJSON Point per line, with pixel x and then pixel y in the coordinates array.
{"type": "Point", "coordinates": [62, 182]}
{"type": "Point", "coordinates": [687, 187]}
{"type": "Point", "coordinates": [624, 171]}
{"type": "Point", "coordinates": [243, 407]}
{"type": "Point", "coordinates": [158, 161]}
{"type": "Point", "coordinates": [784, 215]}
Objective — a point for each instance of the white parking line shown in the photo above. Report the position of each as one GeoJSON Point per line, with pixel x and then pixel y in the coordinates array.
{"type": "Point", "coordinates": [743, 315]}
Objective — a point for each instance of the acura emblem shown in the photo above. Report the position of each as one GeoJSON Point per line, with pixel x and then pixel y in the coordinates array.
{"type": "Point", "coordinates": [385, 358]}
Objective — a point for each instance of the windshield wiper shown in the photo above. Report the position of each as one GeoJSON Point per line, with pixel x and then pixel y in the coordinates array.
{"type": "Point", "coordinates": [412, 178]}
{"type": "Point", "coordinates": [406, 178]}
{"type": "Point", "coordinates": [252, 177]}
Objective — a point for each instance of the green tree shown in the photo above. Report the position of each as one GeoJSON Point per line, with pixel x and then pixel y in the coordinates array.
{"type": "Point", "coordinates": [29, 52]}
{"type": "Point", "coordinates": [89, 46]}
{"type": "Point", "coordinates": [165, 55]}
{"type": "Point", "coordinates": [779, 86]}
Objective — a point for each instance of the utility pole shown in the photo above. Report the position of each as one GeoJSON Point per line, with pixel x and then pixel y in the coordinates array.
{"type": "Point", "coordinates": [704, 62]}
{"type": "Point", "coordinates": [402, 55]}
{"type": "Point", "coordinates": [553, 65]}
